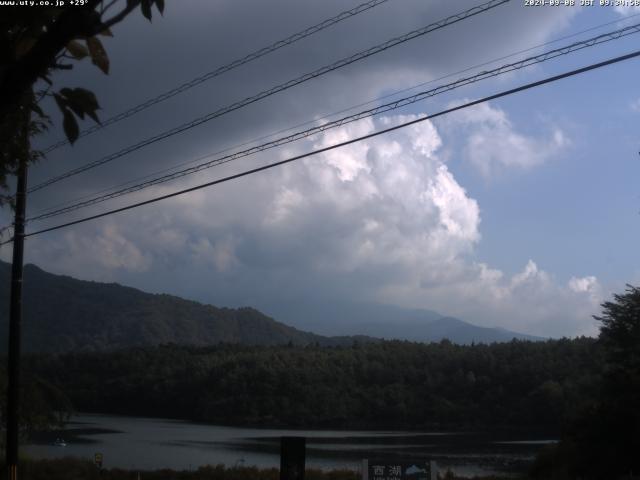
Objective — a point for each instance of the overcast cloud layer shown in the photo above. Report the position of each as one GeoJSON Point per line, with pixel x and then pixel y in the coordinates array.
{"type": "Point", "coordinates": [384, 220]}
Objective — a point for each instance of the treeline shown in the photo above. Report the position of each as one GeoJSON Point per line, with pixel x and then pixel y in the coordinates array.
{"type": "Point", "coordinates": [390, 384]}
{"type": "Point", "coordinates": [42, 405]}
{"type": "Point", "coordinates": [76, 469]}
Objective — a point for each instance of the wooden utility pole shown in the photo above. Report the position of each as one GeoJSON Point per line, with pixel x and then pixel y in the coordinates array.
{"type": "Point", "coordinates": [292, 458]}
{"type": "Point", "coordinates": [15, 315]}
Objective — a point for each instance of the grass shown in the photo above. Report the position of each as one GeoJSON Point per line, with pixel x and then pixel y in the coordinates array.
{"type": "Point", "coordinates": [78, 469]}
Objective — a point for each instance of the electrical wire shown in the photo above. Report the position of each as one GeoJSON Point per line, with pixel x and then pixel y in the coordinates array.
{"type": "Point", "coordinates": [342, 144]}
{"type": "Point", "coordinates": [224, 69]}
{"type": "Point", "coordinates": [279, 88]}
{"type": "Point", "coordinates": [326, 116]}
{"type": "Point", "coordinates": [565, 50]}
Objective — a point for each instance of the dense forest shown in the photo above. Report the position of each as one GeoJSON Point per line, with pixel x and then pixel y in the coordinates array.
{"type": "Point", "coordinates": [388, 384]}
{"type": "Point", "coordinates": [586, 390]}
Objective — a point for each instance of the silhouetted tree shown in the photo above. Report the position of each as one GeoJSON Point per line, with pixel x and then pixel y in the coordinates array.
{"type": "Point", "coordinates": [35, 42]}
{"type": "Point", "coordinates": [618, 415]}
{"type": "Point", "coordinates": [603, 442]}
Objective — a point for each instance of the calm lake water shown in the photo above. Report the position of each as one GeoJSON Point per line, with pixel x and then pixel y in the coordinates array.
{"type": "Point", "coordinates": [151, 443]}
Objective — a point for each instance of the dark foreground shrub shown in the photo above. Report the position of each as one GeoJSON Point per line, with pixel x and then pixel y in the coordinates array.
{"type": "Point", "coordinates": [78, 469]}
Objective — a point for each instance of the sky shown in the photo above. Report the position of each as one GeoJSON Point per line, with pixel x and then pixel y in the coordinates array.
{"type": "Point", "coordinates": [521, 213]}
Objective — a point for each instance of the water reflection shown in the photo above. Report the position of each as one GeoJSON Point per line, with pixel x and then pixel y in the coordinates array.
{"type": "Point", "coordinates": [147, 444]}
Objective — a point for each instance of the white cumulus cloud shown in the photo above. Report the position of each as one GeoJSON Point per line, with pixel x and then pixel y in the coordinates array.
{"type": "Point", "coordinates": [381, 220]}
{"type": "Point", "coordinates": [100, 253]}
{"type": "Point", "coordinates": [493, 144]}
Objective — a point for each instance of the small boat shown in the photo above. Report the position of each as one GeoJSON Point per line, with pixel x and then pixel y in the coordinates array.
{"type": "Point", "coordinates": [60, 443]}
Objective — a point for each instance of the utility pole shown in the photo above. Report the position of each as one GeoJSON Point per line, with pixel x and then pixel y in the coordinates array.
{"type": "Point", "coordinates": [15, 315]}
{"type": "Point", "coordinates": [292, 458]}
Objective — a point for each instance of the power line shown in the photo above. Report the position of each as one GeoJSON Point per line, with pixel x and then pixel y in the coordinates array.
{"type": "Point", "coordinates": [224, 69]}
{"type": "Point", "coordinates": [326, 116]}
{"type": "Point", "coordinates": [565, 50]}
{"type": "Point", "coordinates": [342, 144]}
{"type": "Point", "coordinates": [279, 88]}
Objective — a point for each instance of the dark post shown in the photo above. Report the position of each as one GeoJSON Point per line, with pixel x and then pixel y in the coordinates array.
{"type": "Point", "coordinates": [15, 317]}
{"type": "Point", "coordinates": [292, 453]}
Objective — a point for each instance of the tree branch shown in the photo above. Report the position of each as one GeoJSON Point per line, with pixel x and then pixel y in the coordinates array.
{"type": "Point", "coordinates": [108, 6]}
{"type": "Point", "coordinates": [43, 94]}
{"type": "Point", "coordinates": [119, 17]}
{"type": "Point", "coordinates": [72, 23]}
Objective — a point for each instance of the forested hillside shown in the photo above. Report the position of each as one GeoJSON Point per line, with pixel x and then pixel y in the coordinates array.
{"type": "Point", "coordinates": [63, 314]}
{"type": "Point", "coordinates": [390, 384]}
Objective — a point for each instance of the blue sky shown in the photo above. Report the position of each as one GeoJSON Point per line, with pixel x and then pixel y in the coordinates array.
{"type": "Point", "coordinates": [583, 200]}
{"type": "Point", "coordinates": [522, 213]}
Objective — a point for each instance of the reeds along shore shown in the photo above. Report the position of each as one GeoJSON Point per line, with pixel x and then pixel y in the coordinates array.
{"type": "Point", "coordinates": [77, 469]}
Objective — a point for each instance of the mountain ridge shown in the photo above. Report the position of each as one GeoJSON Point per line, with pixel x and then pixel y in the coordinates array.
{"type": "Point", "coordinates": [63, 314]}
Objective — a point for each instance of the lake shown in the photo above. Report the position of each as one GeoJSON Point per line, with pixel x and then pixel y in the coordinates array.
{"type": "Point", "coordinates": [150, 443]}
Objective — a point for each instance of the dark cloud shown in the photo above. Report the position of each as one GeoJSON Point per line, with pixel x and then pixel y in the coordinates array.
{"type": "Point", "coordinates": [198, 36]}
{"type": "Point", "coordinates": [382, 221]}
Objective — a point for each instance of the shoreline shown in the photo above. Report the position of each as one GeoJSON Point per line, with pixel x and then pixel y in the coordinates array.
{"type": "Point", "coordinates": [70, 468]}
{"type": "Point", "coordinates": [178, 445]}
{"type": "Point", "coordinates": [451, 429]}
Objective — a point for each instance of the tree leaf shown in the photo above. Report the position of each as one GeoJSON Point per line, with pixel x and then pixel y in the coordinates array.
{"type": "Point", "coordinates": [67, 96]}
{"type": "Point", "coordinates": [106, 32]}
{"type": "Point", "coordinates": [145, 6]}
{"type": "Point", "coordinates": [36, 108]}
{"type": "Point", "coordinates": [62, 103]}
{"type": "Point", "coordinates": [77, 50]}
{"type": "Point", "coordinates": [86, 98]}
{"type": "Point", "coordinates": [70, 126]}
{"type": "Point", "coordinates": [78, 111]}
{"type": "Point", "coordinates": [94, 117]}
{"type": "Point", "coordinates": [98, 54]}
{"type": "Point", "coordinates": [82, 101]}
{"type": "Point", "coordinates": [160, 5]}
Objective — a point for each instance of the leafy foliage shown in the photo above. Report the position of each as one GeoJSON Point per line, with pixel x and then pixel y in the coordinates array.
{"type": "Point", "coordinates": [35, 43]}
{"type": "Point", "coordinates": [98, 54]}
{"type": "Point", "coordinates": [78, 101]}
{"type": "Point", "coordinates": [603, 442]}
{"type": "Point", "coordinates": [75, 469]}
{"type": "Point", "coordinates": [381, 385]}
{"type": "Point", "coordinates": [43, 406]}
{"type": "Point", "coordinates": [620, 332]}
{"type": "Point", "coordinates": [359, 384]}
{"type": "Point", "coordinates": [63, 314]}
